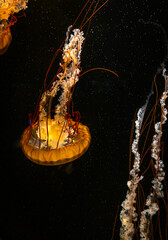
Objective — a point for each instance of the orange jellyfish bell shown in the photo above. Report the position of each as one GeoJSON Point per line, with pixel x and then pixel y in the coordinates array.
{"type": "Point", "coordinates": [62, 139]}
{"type": "Point", "coordinates": [54, 155]}
{"type": "Point", "coordinates": [5, 37]}
{"type": "Point", "coordinates": [7, 9]}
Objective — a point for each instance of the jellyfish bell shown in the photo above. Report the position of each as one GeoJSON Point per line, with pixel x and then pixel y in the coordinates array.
{"type": "Point", "coordinates": [59, 151]}
{"type": "Point", "coordinates": [5, 37]}
{"type": "Point", "coordinates": [7, 9]}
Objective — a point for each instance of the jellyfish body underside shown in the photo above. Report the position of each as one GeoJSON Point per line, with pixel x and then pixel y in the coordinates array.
{"type": "Point", "coordinates": [59, 155]}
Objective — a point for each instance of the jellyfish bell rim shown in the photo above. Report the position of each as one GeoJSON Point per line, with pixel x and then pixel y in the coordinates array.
{"type": "Point", "coordinates": [58, 156]}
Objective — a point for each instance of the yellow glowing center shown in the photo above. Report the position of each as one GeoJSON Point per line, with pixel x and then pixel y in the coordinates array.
{"type": "Point", "coordinates": [56, 133]}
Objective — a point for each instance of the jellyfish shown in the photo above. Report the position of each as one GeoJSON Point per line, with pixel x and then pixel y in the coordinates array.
{"type": "Point", "coordinates": [141, 206]}
{"type": "Point", "coordinates": [61, 139]}
{"type": "Point", "coordinates": [5, 37]}
{"type": "Point", "coordinates": [7, 9]}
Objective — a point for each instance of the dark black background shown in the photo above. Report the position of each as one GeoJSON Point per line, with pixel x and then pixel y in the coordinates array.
{"type": "Point", "coordinates": [78, 200]}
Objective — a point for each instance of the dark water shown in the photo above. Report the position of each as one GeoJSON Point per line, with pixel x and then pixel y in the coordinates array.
{"type": "Point", "coordinates": [78, 200]}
